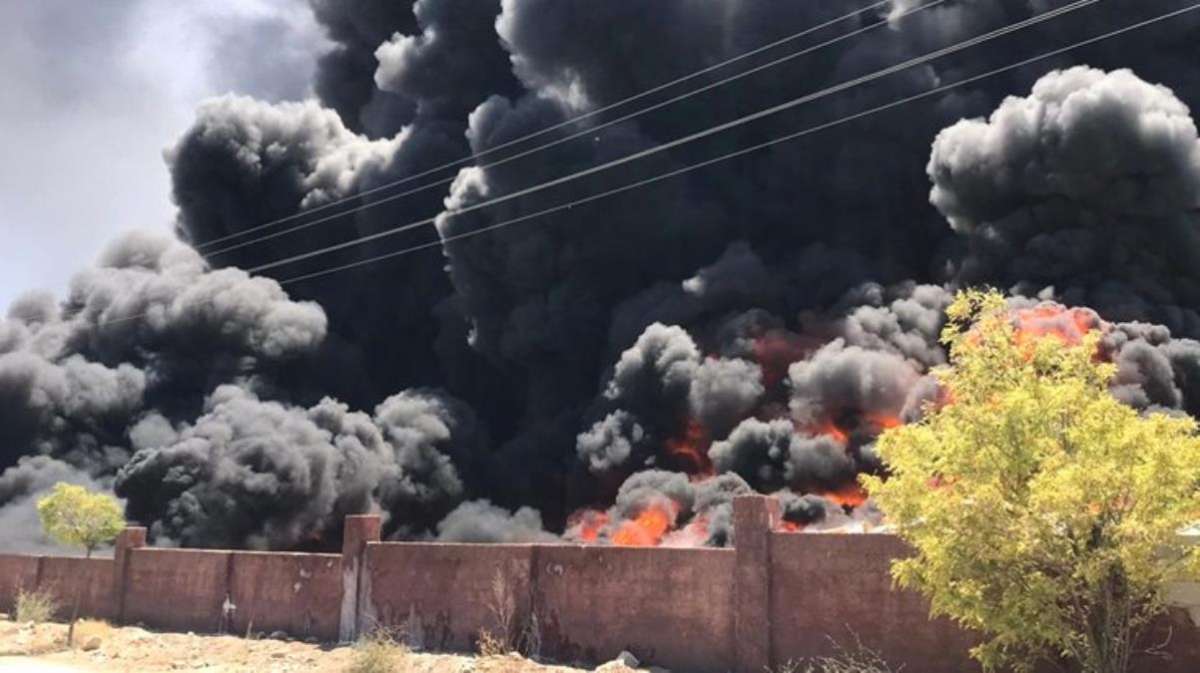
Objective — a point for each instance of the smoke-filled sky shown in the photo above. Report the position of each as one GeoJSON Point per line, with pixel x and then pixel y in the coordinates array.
{"type": "Point", "coordinates": [93, 94]}
{"type": "Point", "coordinates": [612, 374]}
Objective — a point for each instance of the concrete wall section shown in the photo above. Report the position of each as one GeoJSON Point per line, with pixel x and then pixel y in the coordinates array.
{"type": "Point", "coordinates": [668, 607]}
{"type": "Point", "coordinates": [177, 589]}
{"type": "Point", "coordinates": [295, 593]}
{"type": "Point", "coordinates": [440, 594]}
{"type": "Point", "coordinates": [90, 581]}
{"type": "Point", "coordinates": [16, 573]}
{"type": "Point", "coordinates": [840, 587]}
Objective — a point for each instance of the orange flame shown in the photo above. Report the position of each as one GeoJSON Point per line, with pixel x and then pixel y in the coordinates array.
{"type": "Point", "coordinates": [850, 495]}
{"type": "Point", "coordinates": [785, 526]}
{"type": "Point", "coordinates": [589, 523]}
{"type": "Point", "coordinates": [691, 449]}
{"type": "Point", "coordinates": [829, 429]}
{"type": "Point", "coordinates": [1068, 325]}
{"type": "Point", "coordinates": [647, 529]}
{"type": "Point", "coordinates": [881, 421]}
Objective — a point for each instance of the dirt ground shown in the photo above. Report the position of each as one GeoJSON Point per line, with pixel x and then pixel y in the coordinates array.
{"type": "Point", "coordinates": [40, 648]}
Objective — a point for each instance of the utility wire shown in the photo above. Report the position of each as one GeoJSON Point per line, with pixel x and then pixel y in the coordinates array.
{"type": "Point", "coordinates": [554, 127]}
{"type": "Point", "coordinates": [792, 136]}
{"type": "Point", "coordinates": [582, 132]}
{"type": "Point", "coordinates": [657, 149]}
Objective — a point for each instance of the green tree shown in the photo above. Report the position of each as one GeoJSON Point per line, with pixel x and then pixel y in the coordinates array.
{"type": "Point", "coordinates": [73, 516]}
{"type": "Point", "coordinates": [1043, 512]}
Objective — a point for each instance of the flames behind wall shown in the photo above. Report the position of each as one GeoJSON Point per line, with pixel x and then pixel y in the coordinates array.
{"type": "Point", "coordinates": [618, 373]}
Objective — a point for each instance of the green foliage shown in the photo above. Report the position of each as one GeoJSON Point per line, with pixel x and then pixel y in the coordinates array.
{"type": "Point", "coordinates": [73, 516]}
{"type": "Point", "coordinates": [35, 606]}
{"type": "Point", "coordinates": [1043, 512]}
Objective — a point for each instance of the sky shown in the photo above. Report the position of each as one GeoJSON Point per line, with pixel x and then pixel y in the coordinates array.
{"type": "Point", "coordinates": [94, 91]}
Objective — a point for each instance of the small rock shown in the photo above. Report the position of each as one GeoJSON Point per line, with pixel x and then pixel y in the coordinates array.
{"type": "Point", "coordinates": [277, 655]}
{"type": "Point", "coordinates": [628, 659]}
{"type": "Point", "coordinates": [91, 644]}
{"type": "Point", "coordinates": [278, 635]}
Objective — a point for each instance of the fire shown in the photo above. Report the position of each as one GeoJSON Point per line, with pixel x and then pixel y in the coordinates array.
{"type": "Point", "coordinates": [647, 529]}
{"type": "Point", "coordinates": [881, 421]}
{"type": "Point", "coordinates": [850, 495]}
{"type": "Point", "coordinates": [695, 534]}
{"type": "Point", "coordinates": [774, 351]}
{"type": "Point", "coordinates": [588, 523]}
{"type": "Point", "coordinates": [1068, 325]}
{"type": "Point", "coordinates": [691, 449]}
{"type": "Point", "coordinates": [789, 527]}
{"type": "Point", "coordinates": [829, 429]}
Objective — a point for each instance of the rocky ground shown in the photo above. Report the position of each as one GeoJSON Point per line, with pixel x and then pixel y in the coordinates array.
{"type": "Point", "coordinates": [40, 648]}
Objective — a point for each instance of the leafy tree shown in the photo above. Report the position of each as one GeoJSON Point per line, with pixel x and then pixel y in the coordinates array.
{"type": "Point", "coordinates": [73, 516]}
{"type": "Point", "coordinates": [1042, 511]}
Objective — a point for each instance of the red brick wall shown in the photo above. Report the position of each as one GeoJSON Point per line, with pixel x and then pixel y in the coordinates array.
{"type": "Point", "coordinates": [16, 572]}
{"type": "Point", "coordinates": [88, 580]}
{"type": "Point", "coordinates": [176, 589]}
{"type": "Point", "coordinates": [295, 593]}
{"type": "Point", "coordinates": [444, 587]}
{"type": "Point", "coordinates": [839, 586]}
{"type": "Point", "coordinates": [669, 607]}
{"type": "Point", "coordinates": [678, 608]}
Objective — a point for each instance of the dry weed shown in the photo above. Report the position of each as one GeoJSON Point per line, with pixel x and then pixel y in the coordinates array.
{"type": "Point", "coordinates": [378, 652]}
{"type": "Point", "coordinates": [35, 606]}
{"type": "Point", "coordinates": [490, 645]}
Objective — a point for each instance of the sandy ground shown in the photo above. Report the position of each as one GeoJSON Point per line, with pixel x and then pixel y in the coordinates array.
{"type": "Point", "coordinates": [41, 649]}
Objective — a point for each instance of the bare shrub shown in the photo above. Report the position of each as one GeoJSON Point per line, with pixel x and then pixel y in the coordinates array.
{"type": "Point", "coordinates": [855, 659]}
{"type": "Point", "coordinates": [502, 603]}
{"type": "Point", "coordinates": [35, 606]}
{"type": "Point", "coordinates": [490, 645]}
{"type": "Point", "coordinates": [377, 652]}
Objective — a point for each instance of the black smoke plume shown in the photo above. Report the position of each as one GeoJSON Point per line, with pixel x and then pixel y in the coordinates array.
{"type": "Point", "coordinates": [616, 372]}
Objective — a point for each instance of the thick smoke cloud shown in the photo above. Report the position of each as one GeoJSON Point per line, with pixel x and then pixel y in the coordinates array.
{"type": "Point", "coordinates": [621, 370]}
{"type": "Point", "coordinates": [1088, 186]}
{"type": "Point", "coordinates": [147, 328]}
{"type": "Point", "coordinates": [268, 475]}
{"type": "Point", "coordinates": [481, 521]}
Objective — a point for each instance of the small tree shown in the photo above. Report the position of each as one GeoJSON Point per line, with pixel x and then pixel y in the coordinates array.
{"type": "Point", "coordinates": [1043, 512]}
{"type": "Point", "coordinates": [73, 516]}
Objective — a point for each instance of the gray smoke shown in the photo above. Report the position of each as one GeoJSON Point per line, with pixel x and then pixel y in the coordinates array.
{"type": "Point", "coordinates": [21, 486]}
{"type": "Point", "coordinates": [752, 325]}
{"type": "Point", "coordinates": [268, 475]}
{"type": "Point", "coordinates": [481, 521]}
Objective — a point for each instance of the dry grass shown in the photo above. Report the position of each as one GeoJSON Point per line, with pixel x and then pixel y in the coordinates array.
{"type": "Point", "coordinates": [35, 606]}
{"type": "Point", "coordinates": [378, 652]}
{"type": "Point", "coordinates": [856, 659]}
{"type": "Point", "coordinates": [490, 645]}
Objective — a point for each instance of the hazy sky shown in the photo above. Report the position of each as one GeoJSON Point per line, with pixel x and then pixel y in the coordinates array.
{"type": "Point", "coordinates": [92, 91]}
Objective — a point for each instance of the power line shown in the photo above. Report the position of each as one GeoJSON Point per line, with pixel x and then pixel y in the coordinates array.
{"type": "Point", "coordinates": [793, 136]}
{"type": "Point", "coordinates": [782, 139]}
{"type": "Point", "coordinates": [578, 134]}
{"type": "Point", "coordinates": [554, 127]}
{"type": "Point", "coordinates": [741, 121]}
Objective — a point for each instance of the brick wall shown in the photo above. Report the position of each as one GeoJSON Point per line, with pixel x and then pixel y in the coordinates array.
{"type": "Point", "coordinates": [775, 597]}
